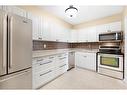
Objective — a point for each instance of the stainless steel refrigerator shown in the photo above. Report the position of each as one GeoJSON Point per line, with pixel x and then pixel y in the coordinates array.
{"type": "Point", "coordinates": [15, 51]}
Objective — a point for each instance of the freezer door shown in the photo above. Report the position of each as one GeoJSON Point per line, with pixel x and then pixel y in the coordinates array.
{"type": "Point", "coordinates": [3, 39]}
{"type": "Point", "coordinates": [19, 80]}
{"type": "Point", "coordinates": [20, 43]}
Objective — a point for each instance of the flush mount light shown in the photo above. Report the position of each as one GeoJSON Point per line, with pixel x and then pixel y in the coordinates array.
{"type": "Point", "coordinates": [71, 11]}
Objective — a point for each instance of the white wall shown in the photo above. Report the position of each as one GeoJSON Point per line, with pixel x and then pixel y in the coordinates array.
{"type": "Point", "coordinates": [125, 62]}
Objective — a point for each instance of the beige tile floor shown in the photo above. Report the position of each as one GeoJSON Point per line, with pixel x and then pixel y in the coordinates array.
{"type": "Point", "coordinates": [83, 79]}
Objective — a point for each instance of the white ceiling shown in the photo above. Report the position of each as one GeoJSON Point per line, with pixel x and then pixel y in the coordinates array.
{"type": "Point", "coordinates": [85, 13]}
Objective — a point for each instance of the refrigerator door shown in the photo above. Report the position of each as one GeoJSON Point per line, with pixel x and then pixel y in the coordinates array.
{"type": "Point", "coordinates": [19, 80]}
{"type": "Point", "coordinates": [3, 39]}
{"type": "Point", "coordinates": [20, 43]}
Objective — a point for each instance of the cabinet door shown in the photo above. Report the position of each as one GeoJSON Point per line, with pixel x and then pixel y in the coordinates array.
{"type": "Point", "coordinates": [19, 11]}
{"type": "Point", "coordinates": [1, 7]}
{"type": "Point", "coordinates": [83, 35]}
{"type": "Point", "coordinates": [115, 26]}
{"type": "Point", "coordinates": [41, 78]}
{"type": "Point", "coordinates": [35, 28]}
{"type": "Point", "coordinates": [15, 10]}
{"type": "Point", "coordinates": [91, 61]}
{"type": "Point", "coordinates": [40, 27]}
{"type": "Point", "coordinates": [55, 32]}
{"type": "Point", "coordinates": [87, 35]}
{"type": "Point", "coordinates": [74, 36]}
{"type": "Point", "coordinates": [91, 34]}
{"type": "Point", "coordinates": [80, 59]}
{"type": "Point", "coordinates": [47, 30]}
{"type": "Point", "coordinates": [86, 60]}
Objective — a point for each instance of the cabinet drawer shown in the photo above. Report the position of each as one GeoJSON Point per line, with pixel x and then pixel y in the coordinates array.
{"type": "Point", "coordinates": [60, 70]}
{"type": "Point", "coordinates": [43, 66]}
{"type": "Point", "coordinates": [42, 78]}
{"type": "Point", "coordinates": [62, 59]}
{"type": "Point", "coordinates": [42, 59]}
{"type": "Point", "coordinates": [62, 55]}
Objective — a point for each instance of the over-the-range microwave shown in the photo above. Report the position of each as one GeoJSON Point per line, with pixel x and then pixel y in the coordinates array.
{"type": "Point", "coordinates": [114, 36]}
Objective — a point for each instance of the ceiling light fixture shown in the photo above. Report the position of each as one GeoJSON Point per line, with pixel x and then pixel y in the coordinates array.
{"type": "Point", "coordinates": [71, 11]}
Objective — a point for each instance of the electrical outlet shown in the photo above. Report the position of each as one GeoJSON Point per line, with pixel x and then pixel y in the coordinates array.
{"type": "Point", "coordinates": [44, 45]}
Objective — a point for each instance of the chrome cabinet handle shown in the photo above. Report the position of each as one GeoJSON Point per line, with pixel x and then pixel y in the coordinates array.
{"type": "Point", "coordinates": [51, 57]}
{"type": "Point", "coordinates": [62, 66]}
{"type": "Point", "coordinates": [59, 55]}
{"type": "Point", "coordinates": [40, 60]}
{"type": "Point", "coordinates": [46, 73]}
{"type": "Point", "coordinates": [39, 38]}
{"type": "Point", "coordinates": [46, 63]}
{"type": "Point", "coordinates": [62, 58]}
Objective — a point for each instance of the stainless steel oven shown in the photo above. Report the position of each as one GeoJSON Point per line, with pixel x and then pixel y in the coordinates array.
{"type": "Point", "coordinates": [110, 61]}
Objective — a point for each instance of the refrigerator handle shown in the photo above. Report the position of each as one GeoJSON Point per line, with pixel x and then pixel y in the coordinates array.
{"type": "Point", "coordinates": [4, 40]}
{"type": "Point", "coordinates": [10, 41]}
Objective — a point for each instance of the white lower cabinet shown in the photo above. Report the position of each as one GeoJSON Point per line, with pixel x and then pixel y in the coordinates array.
{"type": "Point", "coordinates": [42, 78]}
{"type": "Point", "coordinates": [86, 60]}
{"type": "Point", "coordinates": [47, 68]}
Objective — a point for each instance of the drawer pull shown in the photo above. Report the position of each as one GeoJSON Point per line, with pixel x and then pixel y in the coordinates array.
{"type": "Point", "coordinates": [39, 38]}
{"type": "Point", "coordinates": [62, 58]}
{"type": "Point", "coordinates": [46, 63]}
{"type": "Point", "coordinates": [39, 60]}
{"type": "Point", "coordinates": [51, 57]}
{"type": "Point", "coordinates": [45, 73]}
{"type": "Point", "coordinates": [85, 56]}
{"type": "Point", "coordinates": [63, 65]}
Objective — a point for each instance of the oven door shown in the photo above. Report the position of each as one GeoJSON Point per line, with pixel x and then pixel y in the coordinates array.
{"type": "Point", "coordinates": [110, 61]}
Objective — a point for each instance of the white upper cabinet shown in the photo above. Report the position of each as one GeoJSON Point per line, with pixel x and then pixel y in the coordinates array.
{"type": "Point", "coordinates": [87, 35]}
{"type": "Point", "coordinates": [47, 30]}
{"type": "Point", "coordinates": [92, 35]}
{"type": "Point", "coordinates": [15, 10]}
{"type": "Point", "coordinates": [59, 33]}
{"type": "Point", "coordinates": [115, 26]}
{"type": "Point", "coordinates": [73, 36]}
{"type": "Point", "coordinates": [82, 35]}
{"type": "Point", "coordinates": [110, 27]}
{"type": "Point", "coordinates": [1, 7]}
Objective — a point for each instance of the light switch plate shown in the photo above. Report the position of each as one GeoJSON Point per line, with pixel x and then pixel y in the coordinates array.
{"type": "Point", "coordinates": [44, 46]}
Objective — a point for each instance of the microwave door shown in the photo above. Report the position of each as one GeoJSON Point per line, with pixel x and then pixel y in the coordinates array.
{"type": "Point", "coordinates": [3, 33]}
{"type": "Point", "coordinates": [20, 43]}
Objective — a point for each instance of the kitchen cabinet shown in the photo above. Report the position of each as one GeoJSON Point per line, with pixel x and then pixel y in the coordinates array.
{"type": "Point", "coordinates": [47, 68]}
{"type": "Point", "coordinates": [42, 70]}
{"type": "Point", "coordinates": [86, 60]}
{"type": "Point", "coordinates": [91, 34]}
{"type": "Point", "coordinates": [73, 35]}
{"type": "Point", "coordinates": [47, 30]}
{"type": "Point", "coordinates": [82, 35]}
{"type": "Point", "coordinates": [59, 33]}
{"type": "Point", "coordinates": [37, 26]}
{"type": "Point", "coordinates": [15, 10]}
{"type": "Point", "coordinates": [1, 7]}
{"type": "Point", "coordinates": [87, 35]}
{"type": "Point", "coordinates": [61, 65]}
{"type": "Point", "coordinates": [110, 27]}
{"type": "Point", "coordinates": [62, 59]}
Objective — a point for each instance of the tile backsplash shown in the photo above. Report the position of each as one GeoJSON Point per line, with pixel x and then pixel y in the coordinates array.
{"type": "Point", "coordinates": [91, 45]}
{"type": "Point", "coordinates": [48, 45]}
